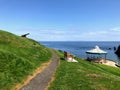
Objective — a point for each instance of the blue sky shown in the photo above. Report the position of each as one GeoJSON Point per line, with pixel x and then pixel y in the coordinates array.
{"type": "Point", "coordinates": [62, 20]}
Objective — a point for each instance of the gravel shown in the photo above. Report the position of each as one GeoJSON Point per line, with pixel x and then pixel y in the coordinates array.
{"type": "Point", "coordinates": [41, 80]}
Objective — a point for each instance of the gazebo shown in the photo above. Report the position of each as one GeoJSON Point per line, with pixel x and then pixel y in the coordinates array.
{"type": "Point", "coordinates": [96, 52]}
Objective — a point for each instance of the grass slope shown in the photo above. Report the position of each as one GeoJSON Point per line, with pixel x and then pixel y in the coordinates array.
{"type": "Point", "coordinates": [85, 76]}
{"type": "Point", "coordinates": [19, 57]}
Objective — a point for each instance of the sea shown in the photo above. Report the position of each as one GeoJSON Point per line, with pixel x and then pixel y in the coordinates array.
{"type": "Point", "coordinates": [79, 48]}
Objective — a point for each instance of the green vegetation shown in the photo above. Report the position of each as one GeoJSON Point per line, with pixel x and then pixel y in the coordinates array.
{"type": "Point", "coordinates": [19, 57]}
{"type": "Point", "coordinates": [85, 76]}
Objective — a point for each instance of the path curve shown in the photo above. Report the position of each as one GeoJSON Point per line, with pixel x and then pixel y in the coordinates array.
{"type": "Point", "coordinates": [41, 80]}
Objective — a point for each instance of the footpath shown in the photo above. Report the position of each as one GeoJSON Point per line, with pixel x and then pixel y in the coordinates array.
{"type": "Point", "coordinates": [41, 80]}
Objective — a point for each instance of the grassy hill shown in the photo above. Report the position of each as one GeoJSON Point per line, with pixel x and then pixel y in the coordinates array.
{"type": "Point", "coordinates": [19, 57]}
{"type": "Point", "coordinates": [85, 75]}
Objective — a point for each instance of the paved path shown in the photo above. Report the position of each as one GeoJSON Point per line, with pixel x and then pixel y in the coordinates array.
{"type": "Point", "coordinates": [40, 82]}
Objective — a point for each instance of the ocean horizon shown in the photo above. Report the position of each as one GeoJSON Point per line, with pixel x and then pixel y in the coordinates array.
{"type": "Point", "coordinates": [79, 48]}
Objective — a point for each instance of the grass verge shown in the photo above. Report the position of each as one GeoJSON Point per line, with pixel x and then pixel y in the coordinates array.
{"type": "Point", "coordinates": [19, 57]}
{"type": "Point", "coordinates": [85, 76]}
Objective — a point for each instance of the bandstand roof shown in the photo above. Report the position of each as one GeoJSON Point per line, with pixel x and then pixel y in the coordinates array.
{"type": "Point", "coordinates": [96, 50]}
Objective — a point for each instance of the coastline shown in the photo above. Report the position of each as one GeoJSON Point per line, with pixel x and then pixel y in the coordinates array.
{"type": "Point", "coordinates": [107, 62]}
{"type": "Point", "coordinates": [79, 48]}
{"type": "Point", "coordinates": [110, 63]}
{"type": "Point", "coordinates": [103, 61]}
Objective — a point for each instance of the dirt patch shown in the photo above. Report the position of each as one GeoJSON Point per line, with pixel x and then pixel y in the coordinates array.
{"type": "Point", "coordinates": [93, 75]}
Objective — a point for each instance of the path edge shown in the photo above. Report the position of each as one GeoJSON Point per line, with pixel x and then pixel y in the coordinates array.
{"type": "Point", "coordinates": [34, 74]}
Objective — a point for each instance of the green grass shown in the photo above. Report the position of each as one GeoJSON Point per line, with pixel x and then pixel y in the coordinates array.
{"type": "Point", "coordinates": [19, 57]}
{"type": "Point", "coordinates": [85, 76]}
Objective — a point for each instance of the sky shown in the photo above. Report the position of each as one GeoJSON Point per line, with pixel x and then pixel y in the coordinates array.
{"type": "Point", "coordinates": [62, 20]}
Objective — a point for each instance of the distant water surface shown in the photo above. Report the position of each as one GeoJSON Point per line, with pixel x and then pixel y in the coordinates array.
{"type": "Point", "coordinates": [80, 47]}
